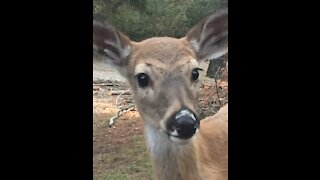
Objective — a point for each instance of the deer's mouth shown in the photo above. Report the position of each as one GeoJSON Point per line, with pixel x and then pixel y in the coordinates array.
{"type": "Point", "coordinates": [178, 140]}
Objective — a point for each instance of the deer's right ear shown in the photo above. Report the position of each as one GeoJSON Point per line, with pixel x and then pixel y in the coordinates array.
{"type": "Point", "coordinates": [209, 38]}
{"type": "Point", "coordinates": [111, 43]}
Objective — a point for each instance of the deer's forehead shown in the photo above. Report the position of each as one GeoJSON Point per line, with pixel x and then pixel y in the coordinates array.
{"type": "Point", "coordinates": [165, 50]}
{"type": "Point", "coordinates": [160, 68]}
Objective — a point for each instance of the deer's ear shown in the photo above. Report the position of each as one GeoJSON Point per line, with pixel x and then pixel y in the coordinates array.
{"type": "Point", "coordinates": [209, 38]}
{"type": "Point", "coordinates": [111, 43]}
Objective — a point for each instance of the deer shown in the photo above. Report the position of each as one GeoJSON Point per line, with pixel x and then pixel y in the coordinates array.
{"type": "Point", "coordinates": [163, 75]}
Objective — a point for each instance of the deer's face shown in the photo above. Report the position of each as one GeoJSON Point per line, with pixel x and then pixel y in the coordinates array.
{"type": "Point", "coordinates": [164, 76]}
{"type": "Point", "coordinates": [163, 72]}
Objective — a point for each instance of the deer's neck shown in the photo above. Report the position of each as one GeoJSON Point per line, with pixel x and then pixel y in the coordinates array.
{"type": "Point", "coordinates": [169, 160]}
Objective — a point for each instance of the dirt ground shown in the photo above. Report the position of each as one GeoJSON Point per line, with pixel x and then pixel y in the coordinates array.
{"type": "Point", "coordinates": [119, 151]}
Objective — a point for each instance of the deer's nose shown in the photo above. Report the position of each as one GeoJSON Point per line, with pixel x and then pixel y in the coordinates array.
{"type": "Point", "coordinates": [184, 124]}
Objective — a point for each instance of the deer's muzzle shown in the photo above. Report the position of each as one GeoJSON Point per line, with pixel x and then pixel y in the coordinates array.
{"type": "Point", "coordinates": [183, 124]}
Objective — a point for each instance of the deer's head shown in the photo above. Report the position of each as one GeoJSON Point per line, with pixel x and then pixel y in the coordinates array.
{"type": "Point", "coordinates": [163, 72]}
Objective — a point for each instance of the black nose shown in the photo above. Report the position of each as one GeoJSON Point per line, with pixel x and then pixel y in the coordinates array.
{"type": "Point", "coordinates": [183, 126]}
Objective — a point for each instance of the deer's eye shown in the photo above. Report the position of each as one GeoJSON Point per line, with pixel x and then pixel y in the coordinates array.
{"type": "Point", "coordinates": [195, 74]}
{"type": "Point", "coordinates": [143, 80]}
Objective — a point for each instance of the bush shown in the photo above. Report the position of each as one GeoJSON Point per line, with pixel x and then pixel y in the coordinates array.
{"type": "Point", "coordinates": [141, 19]}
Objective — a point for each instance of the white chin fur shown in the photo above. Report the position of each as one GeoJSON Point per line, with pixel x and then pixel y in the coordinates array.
{"type": "Point", "coordinates": [179, 140]}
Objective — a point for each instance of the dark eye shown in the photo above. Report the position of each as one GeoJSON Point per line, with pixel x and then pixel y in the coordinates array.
{"type": "Point", "coordinates": [195, 74]}
{"type": "Point", "coordinates": [143, 79]}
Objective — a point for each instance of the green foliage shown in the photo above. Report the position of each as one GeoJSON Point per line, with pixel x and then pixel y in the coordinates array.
{"type": "Point", "coordinates": [199, 9]}
{"type": "Point", "coordinates": [141, 19]}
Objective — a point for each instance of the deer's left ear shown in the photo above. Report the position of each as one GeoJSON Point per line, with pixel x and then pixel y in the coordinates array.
{"type": "Point", "coordinates": [209, 38]}
{"type": "Point", "coordinates": [112, 44]}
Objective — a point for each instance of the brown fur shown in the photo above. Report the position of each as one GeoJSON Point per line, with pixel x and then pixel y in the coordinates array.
{"type": "Point", "coordinates": [158, 53]}
{"type": "Point", "coordinates": [212, 145]}
{"type": "Point", "coordinates": [205, 157]}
